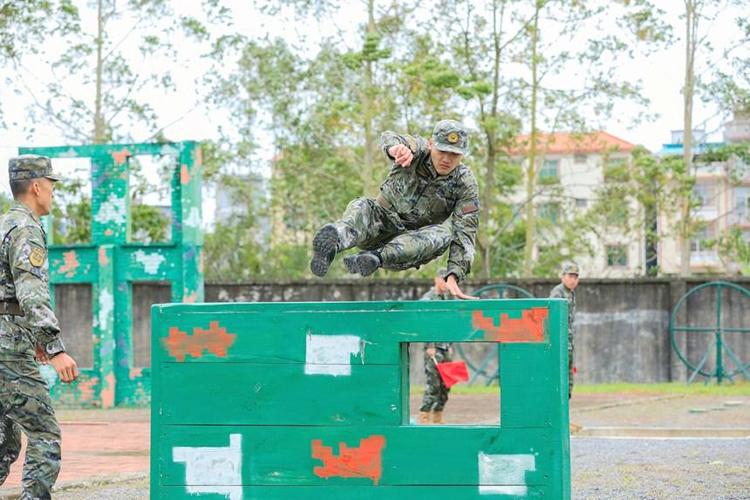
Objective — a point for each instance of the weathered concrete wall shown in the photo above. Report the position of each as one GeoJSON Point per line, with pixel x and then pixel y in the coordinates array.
{"type": "Point", "coordinates": [622, 326]}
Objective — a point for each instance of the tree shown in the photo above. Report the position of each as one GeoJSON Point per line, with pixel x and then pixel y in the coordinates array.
{"type": "Point", "coordinates": [478, 37]}
{"type": "Point", "coordinates": [96, 90]}
{"type": "Point", "coordinates": [517, 71]}
{"type": "Point", "coordinates": [26, 26]}
{"type": "Point", "coordinates": [98, 81]}
{"type": "Point", "coordinates": [317, 114]}
{"type": "Point", "coordinates": [696, 13]}
{"type": "Point", "coordinates": [587, 98]}
{"type": "Point", "coordinates": [23, 25]}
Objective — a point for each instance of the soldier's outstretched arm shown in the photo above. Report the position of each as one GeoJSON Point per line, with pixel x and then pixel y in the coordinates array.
{"type": "Point", "coordinates": [465, 222]}
{"type": "Point", "coordinates": [455, 290]}
{"type": "Point", "coordinates": [401, 149]}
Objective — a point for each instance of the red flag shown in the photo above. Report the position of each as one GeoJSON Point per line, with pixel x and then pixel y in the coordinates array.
{"type": "Point", "coordinates": [453, 372]}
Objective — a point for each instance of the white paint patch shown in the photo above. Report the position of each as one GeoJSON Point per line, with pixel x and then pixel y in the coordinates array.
{"type": "Point", "coordinates": [112, 210]}
{"type": "Point", "coordinates": [150, 261]}
{"type": "Point", "coordinates": [193, 219]}
{"type": "Point", "coordinates": [504, 474]}
{"type": "Point", "coordinates": [637, 317]}
{"type": "Point", "coordinates": [331, 354]}
{"type": "Point", "coordinates": [213, 469]}
{"type": "Point", "coordinates": [106, 306]}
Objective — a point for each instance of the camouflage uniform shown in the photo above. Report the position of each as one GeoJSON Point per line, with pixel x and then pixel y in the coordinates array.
{"type": "Point", "coordinates": [562, 292]}
{"type": "Point", "coordinates": [26, 320]}
{"type": "Point", "coordinates": [435, 391]}
{"type": "Point", "coordinates": [418, 214]}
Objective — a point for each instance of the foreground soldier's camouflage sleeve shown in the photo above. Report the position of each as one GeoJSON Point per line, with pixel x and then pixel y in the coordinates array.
{"type": "Point", "coordinates": [388, 139]}
{"type": "Point", "coordinates": [32, 289]}
{"type": "Point", "coordinates": [465, 221]}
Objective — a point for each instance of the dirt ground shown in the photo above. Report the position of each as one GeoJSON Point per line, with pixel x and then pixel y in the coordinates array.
{"type": "Point", "coordinates": [109, 449]}
{"type": "Point", "coordinates": [614, 410]}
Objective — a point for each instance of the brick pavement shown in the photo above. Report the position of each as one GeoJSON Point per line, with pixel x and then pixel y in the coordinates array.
{"type": "Point", "coordinates": [98, 444]}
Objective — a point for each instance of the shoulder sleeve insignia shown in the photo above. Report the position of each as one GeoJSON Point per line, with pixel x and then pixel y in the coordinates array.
{"type": "Point", "coordinates": [470, 207]}
{"type": "Point", "coordinates": [37, 256]}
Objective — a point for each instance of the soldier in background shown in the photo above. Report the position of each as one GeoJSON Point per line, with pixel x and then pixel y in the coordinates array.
{"type": "Point", "coordinates": [566, 290]}
{"type": "Point", "coordinates": [435, 392]}
{"type": "Point", "coordinates": [29, 330]}
{"type": "Point", "coordinates": [429, 203]}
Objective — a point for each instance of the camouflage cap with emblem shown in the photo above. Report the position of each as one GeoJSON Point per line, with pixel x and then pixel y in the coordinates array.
{"type": "Point", "coordinates": [570, 268]}
{"type": "Point", "coordinates": [28, 166]}
{"type": "Point", "coordinates": [451, 136]}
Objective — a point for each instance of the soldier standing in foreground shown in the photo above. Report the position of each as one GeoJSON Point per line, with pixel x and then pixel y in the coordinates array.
{"type": "Point", "coordinates": [29, 330]}
{"type": "Point", "coordinates": [566, 290]}
{"type": "Point", "coordinates": [429, 203]}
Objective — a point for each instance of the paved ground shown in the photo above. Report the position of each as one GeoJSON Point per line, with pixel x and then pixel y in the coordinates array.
{"type": "Point", "coordinates": [98, 443]}
{"type": "Point", "coordinates": [628, 447]}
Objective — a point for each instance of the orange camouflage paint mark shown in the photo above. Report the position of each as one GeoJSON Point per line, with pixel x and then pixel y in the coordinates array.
{"type": "Point", "coordinates": [363, 461]}
{"type": "Point", "coordinates": [108, 391]}
{"type": "Point", "coordinates": [103, 260]}
{"type": "Point", "coordinates": [135, 373]}
{"type": "Point", "coordinates": [529, 328]}
{"type": "Point", "coordinates": [108, 232]}
{"type": "Point", "coordinates": [184, 175]}
{"type": "Point", "coordinates": [70, 264]}
{"type": "Point", "coordinates": [121, 156]}
{"type": "Point", "coordinates": [214, 340]}
{"type": "Point", "coordinates": [86, 389]}
{"type": "Point", "coordinates": [198, 160]}
{"type": "Point", "coordinates": [189, 298]}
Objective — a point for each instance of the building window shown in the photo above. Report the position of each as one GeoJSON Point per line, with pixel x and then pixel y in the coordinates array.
{"type": "Point", "coordinates": [699, 243]}
{"type": "Point", "coordinates": [582, 203]}
{"type": "Point", "coordinates": [702, 251]}
{"type": "Point", "coordinates": [617, 256]}
{"type": "Point", "coordinates": [617, 213]}
{"type": "Point", "coordinates": [579, 158]}
{"type": "Point", "coordinates": [616, 170]}
{"type": "Point", "coordinates": [704, 194]}
{"type": "Point", "coordinates": [742, 203]}
{"type": "Point", "coordinates": [549, 212]}
{"type": "Point", "coordinates": [549, 171]}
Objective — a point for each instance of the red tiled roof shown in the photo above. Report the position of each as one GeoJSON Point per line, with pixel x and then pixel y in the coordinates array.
{"type": "Point", "coordinates": [571, 143]}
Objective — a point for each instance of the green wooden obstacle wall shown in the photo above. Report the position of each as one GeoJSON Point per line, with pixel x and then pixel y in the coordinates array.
{"type": "Point", "coordinates": [311, 400]}
{"type": "Point", "coordinates": [111, 264]}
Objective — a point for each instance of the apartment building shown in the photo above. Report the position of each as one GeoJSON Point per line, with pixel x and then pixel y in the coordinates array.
{"type": "Point", "coordinates": [572, 171]}
{"type": "Point", "coordinates": [722, 192]}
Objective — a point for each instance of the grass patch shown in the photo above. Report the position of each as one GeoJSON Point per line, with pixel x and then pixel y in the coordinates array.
{"type": "Point", "coordinates": [728, 389]}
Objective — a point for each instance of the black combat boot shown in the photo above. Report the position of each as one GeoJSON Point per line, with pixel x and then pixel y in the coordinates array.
{"type": "Point", "coordinates": [325, 246]}
{"type": "Point", "coordinates": [364, 263]}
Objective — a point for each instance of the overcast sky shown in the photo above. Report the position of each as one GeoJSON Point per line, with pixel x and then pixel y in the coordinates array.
{"type": "Point", "coordinates": [661, 74]}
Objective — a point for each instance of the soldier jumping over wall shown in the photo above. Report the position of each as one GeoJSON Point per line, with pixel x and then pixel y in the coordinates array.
{"type": "Point", "coordinates": [428, 204]}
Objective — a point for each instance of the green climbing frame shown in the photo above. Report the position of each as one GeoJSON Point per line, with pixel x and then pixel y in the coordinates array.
{"type": "Point", "coordinates": [111, 264]}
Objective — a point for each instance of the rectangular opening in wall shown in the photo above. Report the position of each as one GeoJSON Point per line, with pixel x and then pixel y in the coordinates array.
{"type": "Point", "coordinates": [475, 401]}
{"type": "Point", "coordinates": [71, 210]}
{"type": "Point", "coordinates": [144, 296]}
{"type": "Point", "coordinates": [151, 198]}
{"type": "Point", "coordinates": [74, 311]}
